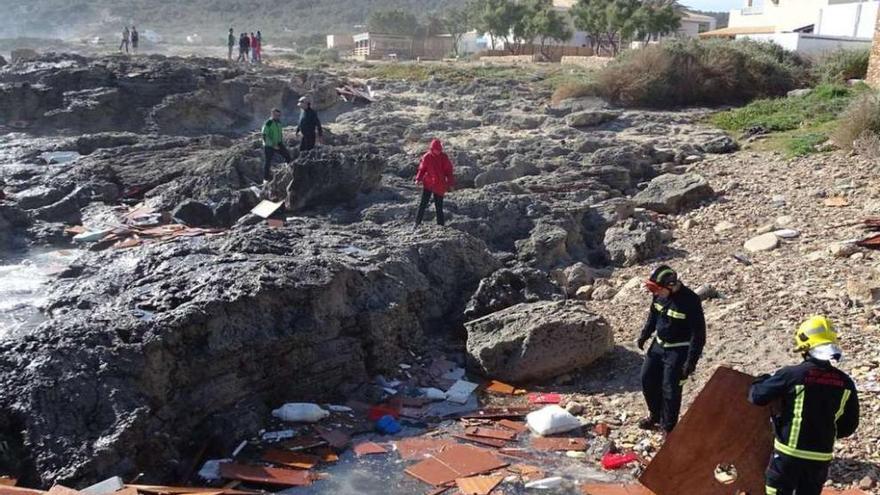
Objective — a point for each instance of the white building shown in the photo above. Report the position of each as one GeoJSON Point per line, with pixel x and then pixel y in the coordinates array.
{"type": "Point", "coordinates": [807, 26]}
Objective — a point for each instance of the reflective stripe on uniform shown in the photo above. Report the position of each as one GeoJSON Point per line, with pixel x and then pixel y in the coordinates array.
{"type": "Point", "coordinates": [803, 454]}
{"type": "Point", "coordinates": [770, 490]}
{"type": "Point", "coordinates": [667, 345]}
{"type": "Point", "coordinates": [797, 416]}
{"type": "Point", "coordinates": [675, 314]}
{"type": "Point", "coordinates": [670, 312]}
{"type": "Point", "coordinates": [842, 408]}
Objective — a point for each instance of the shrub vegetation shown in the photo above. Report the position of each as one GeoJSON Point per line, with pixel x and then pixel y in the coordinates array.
{"type": "Point", "coordinates": [715, 72]}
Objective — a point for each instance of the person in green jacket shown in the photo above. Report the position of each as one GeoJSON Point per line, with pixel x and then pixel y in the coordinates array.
{"type": "Point", "coordinates": [273, 142]}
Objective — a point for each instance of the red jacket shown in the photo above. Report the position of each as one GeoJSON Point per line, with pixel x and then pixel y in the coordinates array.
{"type": "Point", "coordinates": [435, 170]}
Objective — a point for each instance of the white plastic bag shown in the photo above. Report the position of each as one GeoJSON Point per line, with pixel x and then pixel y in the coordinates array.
{"type": "Point", "coordinates": [299, 412]}
{"type": "Point", "coordinates": [550, 420]}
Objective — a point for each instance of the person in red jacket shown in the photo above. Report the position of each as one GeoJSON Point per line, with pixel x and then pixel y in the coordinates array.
{"type": "Point", "coordinates": [435, 174]}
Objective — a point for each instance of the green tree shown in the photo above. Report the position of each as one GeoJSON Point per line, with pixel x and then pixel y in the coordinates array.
{"type": "Point", "coordinates": [538, 21]}
{"type": "Point", "coordinates": [656, 18]}
{"type": "Point", "coordinates": [496, 18]}
{"type": "Point", "coordinates": [591, 17]}
{"type": "Point", "coordinates": [457, 23]}
{"type": "Point", "coordinates": [394, 21]}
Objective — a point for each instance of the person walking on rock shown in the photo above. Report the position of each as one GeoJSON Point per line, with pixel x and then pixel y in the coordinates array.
{"type": "Point", "coordinates": [230, 41]}
{"type": "Point", "coordinates": [243, 48]}
{"type": "Point", "coordinates": [309, 125]}
{"type": "Point", "coordinates": [435, 175]}
{"type": "Point", "coordinates": [817, 404]}
{"type": "Point", "coordinates": [125, 38]}
{"type": "Point", "coordinates": [259, 47]}
{"type": "Point", "coordinates": [273, 142]}
{"type": "Point", "coordinates": [678, 325]}
{"type": "Point", "coordinates": [135, 39]}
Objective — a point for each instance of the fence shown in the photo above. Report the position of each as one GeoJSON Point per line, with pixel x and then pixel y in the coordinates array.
{"type": "Point", "coordinates": [554, 53]}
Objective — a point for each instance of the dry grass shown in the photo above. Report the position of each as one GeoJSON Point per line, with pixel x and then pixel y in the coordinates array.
{"type": "Point", "coordinates": [868, 145]}
{"type": "Point", "coordinates": [862, 116]}
{"type": "Point", "coordinates": [572, 90]}
{"type": "Point", "coordinates": [701, 73]}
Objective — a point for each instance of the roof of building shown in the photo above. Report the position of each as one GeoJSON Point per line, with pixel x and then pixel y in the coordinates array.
{"type": "Point", "coordinates": [693, 16]}
{"type": "Point", "coordinates": [731, 32]}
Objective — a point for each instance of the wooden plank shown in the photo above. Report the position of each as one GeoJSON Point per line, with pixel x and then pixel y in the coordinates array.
{"type": "Point", "coordinates": [711, 433]}
{"type": "Point", "coordinates": [287, 458]}
{"type": "Point", "coordinates": [265, 475]}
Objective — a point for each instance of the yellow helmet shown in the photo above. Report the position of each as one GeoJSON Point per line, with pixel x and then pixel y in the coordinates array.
{"type": "Point", "coordinates": [816, 331]}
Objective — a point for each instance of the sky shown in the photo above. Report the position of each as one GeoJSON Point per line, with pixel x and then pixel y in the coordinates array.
{"type": "Point", "coordinates": [713, 5]}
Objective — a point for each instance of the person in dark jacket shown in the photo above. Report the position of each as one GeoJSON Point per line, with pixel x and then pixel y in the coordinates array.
{"type": "Point", "coordinates": [273, 142]}
{"type": "Point", "coordinates": [309, 125]}
{"type": "Point", "coordinates": [243, 48]}
{"type": "Point", "coordinates": [678, 325]}
{"type": "Point", "coordinates": [135, 39]}
{"type": "Point", "coordinates": [816, 404]}
{"type": "Point", "coordinates": [230, 41]}
{"type": "Point", "coordinates": [435, 175]}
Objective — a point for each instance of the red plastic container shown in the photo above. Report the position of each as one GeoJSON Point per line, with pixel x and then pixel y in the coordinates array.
{"type": "Point", "coordinates": [375, 413]}
{"type": "Point", "coordinates": [617, 461]}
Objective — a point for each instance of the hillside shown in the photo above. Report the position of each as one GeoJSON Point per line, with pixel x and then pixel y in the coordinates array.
{"type": "Point", "coordinates": [174, 20]}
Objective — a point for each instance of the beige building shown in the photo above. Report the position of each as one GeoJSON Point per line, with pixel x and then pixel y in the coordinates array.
{"type": "Point", "coordinates": [341, 42]}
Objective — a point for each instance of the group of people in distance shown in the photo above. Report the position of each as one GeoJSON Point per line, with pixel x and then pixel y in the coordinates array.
{"type": "Point", "coordinates": [250, 47]}
{"type": "Point", "coordinates": [129, 38]}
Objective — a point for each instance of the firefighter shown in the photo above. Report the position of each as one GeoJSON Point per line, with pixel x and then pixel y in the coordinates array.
{"type": "Point", "coordinates": [817, 404]}
{"type": "Point", "coordinates": [676, 317]}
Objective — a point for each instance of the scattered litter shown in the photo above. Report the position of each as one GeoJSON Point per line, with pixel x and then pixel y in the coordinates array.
{"type": "Point", "coordinates": [275, 223]}
{"type": "Point", "coordinates": [294, 460]}
{"type": "Point", "coordinates": [551, 398]}
{"type": "Point", "coordinates": [266, 208]}
{"type": "Point", "coordinates": [388, 425]}
{"type": "Point", "coordinates": [300, 412]}
{"type": "Point", "coordinates": [265, 475]}
{"type": "Point", "coordinates": [339, 408]}
{"type": "Point", "coordinates": [545, 484]}
{"type": "Point", "coordinates": [576, 454]}
{"type": "Point", "coordinates": [517, 426]}
{"type": "Point", "coordinates": [91, 236]}
{"type": "Point", "coordinates": [491, 433]}
{"type": "Point", "coordinates": [453, 462]}
{"type": "Point", "coordinates": [274, 436]}
{"type": "Point", "coordinates": [617, 461]}
{"type": "Point", "coordinates": [552, 419]}
{"type": "Point", "coordinates": [369, 448]}
{"type": "Point", "coordinates": [433, 393]}
{"type": "Point", "coordinates": [489, 442]}
{"type": "Point", "coordinates": [446, 408]}
{"type": "Point", "coordinates": [375, 413]}
{"type": "Point", "coordinates": [239, 448]}
{"type": "Point", "coordinates": [499, 412]}
{"type": "Point", "coordinates": [211, 469]}
{"type": "Point", "coordinates": [415, 448]}
{"type": "Point", "coordinates": [460, 391]}
{"type": "Point", "coordinates": [478, 485]}
{"type": "Point", "coordinates": [709, 434]}
{"type": "Point", "coordinates": [109, 485]}
{"type": "Point", "coordinates": [500, 387]}
{"type": "Point", "coordinates": [334, 438]}
{"type": "Point", "coordinates": [559, 444]}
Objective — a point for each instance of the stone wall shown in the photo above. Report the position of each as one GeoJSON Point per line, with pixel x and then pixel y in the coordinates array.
{"type": "Point", "coordinates": [509, 59]}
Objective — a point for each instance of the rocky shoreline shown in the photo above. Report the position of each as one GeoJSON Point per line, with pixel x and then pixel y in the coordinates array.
{"type": "Point", "coordinates": [150, 350]}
